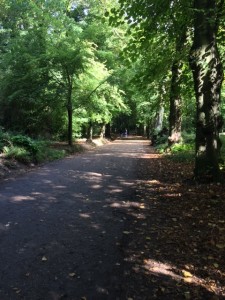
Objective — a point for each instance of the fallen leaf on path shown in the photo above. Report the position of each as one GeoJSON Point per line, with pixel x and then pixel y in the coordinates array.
{"type": "Point", "coordinates": [186, 273]}
{"type": "Point", "coordinates": [220, 246]}
{"type": "Point", "coordinates": [44, 258]}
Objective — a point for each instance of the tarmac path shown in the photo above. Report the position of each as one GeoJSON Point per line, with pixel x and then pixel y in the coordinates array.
{"type": "Point", "coordinates": [61, 225]}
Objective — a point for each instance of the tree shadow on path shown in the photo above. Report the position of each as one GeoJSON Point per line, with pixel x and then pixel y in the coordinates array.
{"type": "Point", "coordinates": [108, 224]}
{"type": "Point", "coordinates": [174, 246]}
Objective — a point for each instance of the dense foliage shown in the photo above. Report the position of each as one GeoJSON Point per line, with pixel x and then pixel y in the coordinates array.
{"type": "Point", "coordinates": [82, 68]}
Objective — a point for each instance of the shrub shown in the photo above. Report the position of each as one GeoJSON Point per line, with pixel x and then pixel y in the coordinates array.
{"type": "Point", "coordinates": [182, 147]}
{"type": "Point", "coordinates": [18, 153]}
{"type": "Point", "coordinates": [25, 142]}
{"type": "Point", "coordinates": [5, 140]}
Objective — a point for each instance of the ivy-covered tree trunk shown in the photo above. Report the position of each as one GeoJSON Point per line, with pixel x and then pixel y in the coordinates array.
{"type": "Point", "coordinates": [208, 76]}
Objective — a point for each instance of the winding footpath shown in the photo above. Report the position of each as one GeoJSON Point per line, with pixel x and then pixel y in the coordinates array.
{"type": "Point", "coordinates": [61, 225]}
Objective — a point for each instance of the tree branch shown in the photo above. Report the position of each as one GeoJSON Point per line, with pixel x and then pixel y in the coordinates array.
{"type": "Point", "coordinates": [98, 86]}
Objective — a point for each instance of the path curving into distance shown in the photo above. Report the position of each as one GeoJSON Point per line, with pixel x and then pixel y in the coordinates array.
{"type": "Point", "coordinates": [61, 225]}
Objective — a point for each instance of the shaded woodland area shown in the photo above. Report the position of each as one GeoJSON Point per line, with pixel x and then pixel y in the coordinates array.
{"type": "Point", "coordinates": [95, 68]}
{"type": "Point", "coordinates": [71, 71]}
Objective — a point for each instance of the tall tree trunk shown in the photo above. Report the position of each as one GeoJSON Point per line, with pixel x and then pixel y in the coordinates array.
{"type": "Point", "coordinates": [70, 116]}
{"type": "Point", "coordinates": [175, 105]}
{"type": "Point", "coordinates": [159, 119]}
{"type": "Point", "coordinates": [175, 116]}
{"type": "Point", "coordinates": [102, 132]}
{"type": "Point", "coordinates": [90, 132]}
{"type": "Point", "coordinates": [208, 76]}
{"type": "Point", "coordinates": [108, 131]}
{"type": "Point", "coordinates": [148, 129]}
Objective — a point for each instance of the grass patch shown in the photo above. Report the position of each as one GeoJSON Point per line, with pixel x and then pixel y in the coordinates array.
{"type": "Point", "coordinates": [46, 153]}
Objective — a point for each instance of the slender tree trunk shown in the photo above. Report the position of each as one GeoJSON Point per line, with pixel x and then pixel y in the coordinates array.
{"type": "Point", "coordinates": [148, 129]}
{"type": "Point", "coordinates": [108, 131]}
{"type": "Point", "coordinates": [90, 132]}
{"type": "Point", "coordinates": [144, 130]}
{"type": "Point", "coordinates": [175, 116]}
{"type": "Point", "coordinates": [159, 119]}
{"type": "Point", "coordinates": [175, 105]}
{"type": "Point", "coordinates": [102, 133]}
{"type": "Point", "coordinates": [70, 116]}
{"type": "Point", "coordinates": [208, 76]}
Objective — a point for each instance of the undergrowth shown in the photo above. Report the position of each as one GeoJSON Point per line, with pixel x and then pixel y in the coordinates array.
{"type": "Point", "coordinates": [180, 152]}
{"type": "Point", "coordinates": [185, 151]}
{"type": "Point", "coordinates": [27, 150]}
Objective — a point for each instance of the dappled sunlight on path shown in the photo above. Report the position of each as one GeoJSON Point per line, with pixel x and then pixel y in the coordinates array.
{"type": "Point", "coordinates": [61, 219]}
{"type": "Point", "coordinates": [174, 245]}
{"type": "Point", "coordinates": [113, 223]}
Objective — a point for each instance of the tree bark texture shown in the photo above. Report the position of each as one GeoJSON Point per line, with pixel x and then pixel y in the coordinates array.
{"type": "Point", "coordinates": [175, 105]}
{"type": "Point", "coordinates": [90, 132]}
{"type": "Point", "coordinates": [102, 132]}
{"type": "Point", "coordinates": [159, 119]}
{"type": "Point", "coordinates": [175, 116]}
{"type": "Point", "coordinates": [108, 131]}
{"type": "Point", "coordinates": [208, 76]}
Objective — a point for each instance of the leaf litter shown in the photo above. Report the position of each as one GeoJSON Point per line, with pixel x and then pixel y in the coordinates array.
{"type": "Point", "coordinates": [180, 252]}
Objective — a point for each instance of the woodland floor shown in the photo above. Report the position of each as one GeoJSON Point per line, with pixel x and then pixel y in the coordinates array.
{"type": "Point", "coordinates": [173, 239]}
{"type": "Point", "coordinates": [176, 240]}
